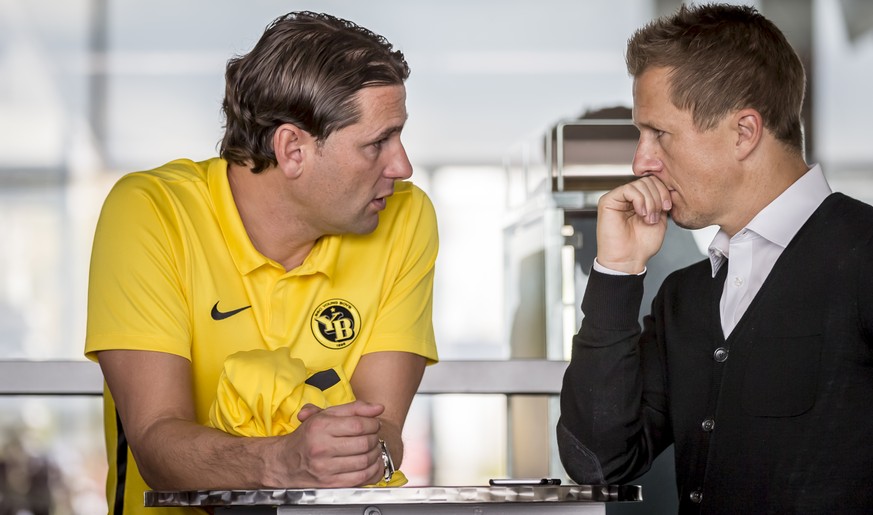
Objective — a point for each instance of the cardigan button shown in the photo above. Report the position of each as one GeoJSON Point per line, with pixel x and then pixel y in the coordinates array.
{"type": "Point", "coordinates": [708, 425]}
{"type": "Point", "coordinates": [720, 355]}
{"type": "Point", "coordinates": [696, 496]}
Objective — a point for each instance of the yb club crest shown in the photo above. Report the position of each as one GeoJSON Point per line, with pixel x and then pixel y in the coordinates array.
{"type": "Point", "coordinates": [335, 323]}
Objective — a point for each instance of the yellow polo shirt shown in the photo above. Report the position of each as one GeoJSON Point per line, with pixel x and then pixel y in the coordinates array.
{"type": "Point", "coordinates": [173, 270]}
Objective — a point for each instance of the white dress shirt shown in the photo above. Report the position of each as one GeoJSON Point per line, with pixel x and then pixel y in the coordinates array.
{"type": "Point", "coordinates": [754, 250]}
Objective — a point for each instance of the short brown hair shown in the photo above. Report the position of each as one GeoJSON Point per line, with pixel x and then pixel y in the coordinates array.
{"type": "Point", "coordinates": [306, 70]}
{"type": "Point", "coordinates": [724, 57]}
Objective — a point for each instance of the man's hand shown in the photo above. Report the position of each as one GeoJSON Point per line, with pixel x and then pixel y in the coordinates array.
{"type": "Point", "coordinates": [335, 447]}
{"type": "Point", "coordinates": [631, 223]}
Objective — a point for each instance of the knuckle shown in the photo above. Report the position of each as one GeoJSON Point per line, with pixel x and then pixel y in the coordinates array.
{"type": "Point", "coordinates": [361, 462]}
{"type": "Point", "coordinates": [356, 425]}
{"type": "Point", "coordinates": [361, 445]}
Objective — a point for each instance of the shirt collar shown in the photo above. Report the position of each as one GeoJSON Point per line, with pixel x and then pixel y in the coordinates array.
{"type": "Point", "coordinates": [246, 257]}
{"type": "Point", "coordinates": [718, 250]}
{"type": "Point", "coordinates": [780, 220]}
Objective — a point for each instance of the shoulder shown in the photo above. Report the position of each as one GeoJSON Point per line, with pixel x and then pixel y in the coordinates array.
{"type": "Point", "coordinates": [846, 218]}
{"type": "Point", "coordinates": [407, 225]}
{"type": "Point", "coordinates": [149, 196]}
{"type": "Point", "coordinates": [164, 177]}
{"type": "Point", "coordinates": [409, 205]}
{"type": "Point", "coordinates": [842, 202]}
{"type": "Point", "coordinates": [409, 196]}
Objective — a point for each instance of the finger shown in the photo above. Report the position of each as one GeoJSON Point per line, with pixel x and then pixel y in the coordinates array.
{"type": "Point", "coordinates": [307, 411]}
{"type": "Point", "coordinates": [356, 426]}
{"type": "Point", "coordinates": [357, 408]}
{"type": "Point", "coordinates": [631, 198]}
{"type": "Point", "coordinates": [346, 473]}
{"type": "Point", "coordinates": [335, 456]}
{"type": "Point", "coordinates": [653, 194]}
{"type": "Point", "coordinates": [663, 193]}
{"type": "Point", "coordinates": [329, 424]}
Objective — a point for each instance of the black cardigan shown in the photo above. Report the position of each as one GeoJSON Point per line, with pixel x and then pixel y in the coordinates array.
{"type": "Point", "coordinates": [775, 419]}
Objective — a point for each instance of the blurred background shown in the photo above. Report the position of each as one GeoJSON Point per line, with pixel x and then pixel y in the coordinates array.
{"type": "Point", "coordinates": [93, 89]}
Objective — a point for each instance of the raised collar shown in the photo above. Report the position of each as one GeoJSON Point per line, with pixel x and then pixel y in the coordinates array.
{"type": "Point", "coordinates": [246, 257]}
{"type": "Point", "coordinates": [780, 220]}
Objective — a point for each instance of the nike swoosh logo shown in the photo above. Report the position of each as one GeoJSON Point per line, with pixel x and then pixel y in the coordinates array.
{"type": "Point", "coordinates": [221, 315]}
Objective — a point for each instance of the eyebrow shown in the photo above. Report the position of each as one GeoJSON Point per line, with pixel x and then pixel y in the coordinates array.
{"type": "Point", "coordinates": [390, 131]}
{"type": "Point", "coordinates": [646, 126]}
{"type": "Point", "coordinates": [640, 125]}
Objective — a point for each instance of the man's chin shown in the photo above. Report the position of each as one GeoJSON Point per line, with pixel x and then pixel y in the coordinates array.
{"type": "Point", "coordinates": [686, 223]}
{"type": "Point", "coordinates": [366, 225]}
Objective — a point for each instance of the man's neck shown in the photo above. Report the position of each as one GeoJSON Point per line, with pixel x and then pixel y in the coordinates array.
{"type": "Point", "coordinates": [765, 177]}
{"type": "Point", "coordinates": [268, 217]}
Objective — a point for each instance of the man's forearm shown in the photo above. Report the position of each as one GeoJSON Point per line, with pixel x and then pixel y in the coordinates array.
{"type": "Point", "coordinates": [602, 390]}
{"type": "Point", "coordinates": [182, 455]}
{"type": "Point", "coordinates": [333, 448]}
{"type": "Point", "coordinates": [390, 379]}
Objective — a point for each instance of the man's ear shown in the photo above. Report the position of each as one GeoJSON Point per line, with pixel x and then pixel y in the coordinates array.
{"type": "Point", "coordinates": [291, 145]}
{"type": "Point", "coordinates": [750, 129]}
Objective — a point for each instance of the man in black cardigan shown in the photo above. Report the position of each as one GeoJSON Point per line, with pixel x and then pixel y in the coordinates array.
{"type": "Point", "coordinates": [758, 362]}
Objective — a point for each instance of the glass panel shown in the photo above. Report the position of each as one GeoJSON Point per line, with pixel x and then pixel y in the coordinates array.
{"type": "Point", "coordinates": [469, 439]}
{"type": "Point", "coordinates": [468, 288]}
{"type": "Point", "coordinates": [45, 232]}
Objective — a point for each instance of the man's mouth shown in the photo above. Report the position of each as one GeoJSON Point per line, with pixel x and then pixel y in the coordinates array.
{"type": "Point", "coordinates": [380, 202]}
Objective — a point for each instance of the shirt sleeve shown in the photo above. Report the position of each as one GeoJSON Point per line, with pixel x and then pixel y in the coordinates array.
{"type": "Point", "coordinates": [135, 292]}
{"type": "Point", "coordinates": [405, 319]}
{"type": "Point", "coordinates": [609, 430]}
{"type": "Point", "coordinates": [609, 271]}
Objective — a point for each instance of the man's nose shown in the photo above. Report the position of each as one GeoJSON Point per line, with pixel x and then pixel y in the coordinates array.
{"type": "Point", "coordinates": [645, 159]}
{"type": "Point", "coordinates": [399, 167]}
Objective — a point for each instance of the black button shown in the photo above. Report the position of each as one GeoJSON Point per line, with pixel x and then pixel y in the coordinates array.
{"type": "Point", "coordinates": [696, 496]}
{"type": "Point", "coordinates": [708, 425]}
{"type": "Point", "coordinates": [720, 354]}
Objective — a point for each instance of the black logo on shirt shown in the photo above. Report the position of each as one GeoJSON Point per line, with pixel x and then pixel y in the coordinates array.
{"type": "Point", "coordinates": [221, 315]}
{"type": "Point", "coordinates": [335, 323]}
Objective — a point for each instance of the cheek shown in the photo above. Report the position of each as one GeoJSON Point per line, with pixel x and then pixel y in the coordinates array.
{"type": "Point", "coordinates": [694, 167]}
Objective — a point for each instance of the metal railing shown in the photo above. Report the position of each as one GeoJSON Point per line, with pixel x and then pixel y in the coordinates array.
{"type": "Point", "coordinates": [511, 377]}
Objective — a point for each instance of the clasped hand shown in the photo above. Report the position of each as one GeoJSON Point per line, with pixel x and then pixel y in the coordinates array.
{"type": "Point", "coordinates": [336, 447]}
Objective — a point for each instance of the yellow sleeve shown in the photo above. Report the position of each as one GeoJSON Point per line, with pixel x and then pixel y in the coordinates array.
{"type": "Point", "coordinates": [136, 287]}
{"type": "Point", "coordinates": [405, 319]}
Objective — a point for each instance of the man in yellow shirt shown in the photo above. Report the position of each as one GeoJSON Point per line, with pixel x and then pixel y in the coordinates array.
{"type": "Point", "coordinates": [303, 244]}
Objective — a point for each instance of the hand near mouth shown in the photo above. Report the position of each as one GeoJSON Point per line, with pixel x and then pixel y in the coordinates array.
{"type": "Point", "coordinates": [631, 224]}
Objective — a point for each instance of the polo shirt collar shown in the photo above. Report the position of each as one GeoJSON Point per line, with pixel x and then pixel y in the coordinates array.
{"type": "Point", "coordinates": [321, 258]}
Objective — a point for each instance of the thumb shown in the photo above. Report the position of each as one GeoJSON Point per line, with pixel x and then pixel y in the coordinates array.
{"type": "Point", "coordinates": [369, 409]}
{"type": "Point", "coordinates": [359, 408]}
{"type": "Point", "coordinates": [307, 411]}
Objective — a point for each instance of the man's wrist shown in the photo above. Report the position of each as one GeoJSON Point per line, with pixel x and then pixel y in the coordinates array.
{"type": "Point", "coordinates": [611, 271]}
